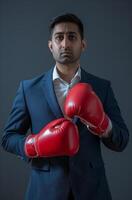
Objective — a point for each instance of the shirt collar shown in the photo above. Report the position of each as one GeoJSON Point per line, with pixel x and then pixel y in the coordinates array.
{"type": "Point", "coordinates": [56, 75]}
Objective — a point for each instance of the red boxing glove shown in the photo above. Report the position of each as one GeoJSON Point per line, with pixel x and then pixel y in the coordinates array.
{"type": "Point", "coordinates": [58, 138]}
{"type": "Point", "coordinates": [82, 102]}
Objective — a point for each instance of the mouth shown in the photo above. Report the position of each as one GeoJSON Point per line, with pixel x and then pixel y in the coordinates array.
{"type": "Point", "coordinates": [66, 53]}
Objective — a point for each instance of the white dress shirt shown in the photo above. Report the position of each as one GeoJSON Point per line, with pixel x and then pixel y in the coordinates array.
{"type": "Point", "coordinates": [61, 87]}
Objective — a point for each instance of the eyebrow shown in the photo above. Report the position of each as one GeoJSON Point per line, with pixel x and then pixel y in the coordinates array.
{"type": "Point", "coordinates": [70, 32]}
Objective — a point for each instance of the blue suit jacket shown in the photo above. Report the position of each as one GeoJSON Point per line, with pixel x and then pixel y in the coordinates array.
{"type": "Point", "coordinates": [36, 105]}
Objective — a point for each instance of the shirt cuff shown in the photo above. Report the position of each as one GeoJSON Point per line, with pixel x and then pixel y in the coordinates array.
{"type": "Point", "coordinates": [107, 133]}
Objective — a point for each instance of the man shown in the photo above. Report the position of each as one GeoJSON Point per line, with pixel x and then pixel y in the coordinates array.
{"type": "Point", "coordinates": [70, 112]}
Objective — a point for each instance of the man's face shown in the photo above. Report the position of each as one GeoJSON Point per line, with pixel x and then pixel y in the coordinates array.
{"type": "Point", "coordinates": [66, 44]}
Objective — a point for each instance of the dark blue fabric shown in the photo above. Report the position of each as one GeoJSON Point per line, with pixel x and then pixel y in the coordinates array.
{"type": "Point", "coordinates": [36, 105]}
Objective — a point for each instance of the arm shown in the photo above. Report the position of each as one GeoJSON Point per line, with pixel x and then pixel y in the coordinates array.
{"type": "Point", "coordinates": [118, 136]}
{"type": "Point", "coordinates": [17, 126]}
{"type": "Point", "coordinates": [103, 120]}
{"type": "Point", "coordinates": [59, 137]}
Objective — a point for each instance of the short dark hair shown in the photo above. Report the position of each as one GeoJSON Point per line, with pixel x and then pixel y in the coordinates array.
{"type": "Point", "coordinates": [67, 17]}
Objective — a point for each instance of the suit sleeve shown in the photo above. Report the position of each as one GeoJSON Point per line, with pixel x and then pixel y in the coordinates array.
{"type": "Point", "coordinates": [119, 134]}
{"type": "Point", "coordinates": [17, 126]}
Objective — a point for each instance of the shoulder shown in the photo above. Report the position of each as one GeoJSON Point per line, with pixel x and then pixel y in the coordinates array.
{"type": "Point", "coordinates": [36, 81]}
{"type": "Point", "coordinates": [33, 81]}
{"type": "Point", "coordinates": [95, 80]}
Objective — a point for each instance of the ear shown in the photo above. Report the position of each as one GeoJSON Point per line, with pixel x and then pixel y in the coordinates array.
{"type": "Point", "coordinates": [84, 44]}
{"type": "Point", "coordinates": [50, 45]}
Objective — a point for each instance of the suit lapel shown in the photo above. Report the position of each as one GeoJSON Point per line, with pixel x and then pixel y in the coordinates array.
{"type": "Point", "coordinates": [48, 89]}
{"type": "Point", "coordinates": [85, 77]}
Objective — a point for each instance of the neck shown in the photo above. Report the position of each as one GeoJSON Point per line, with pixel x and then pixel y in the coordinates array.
{"type": "Point", "coordinates": [67, 72]}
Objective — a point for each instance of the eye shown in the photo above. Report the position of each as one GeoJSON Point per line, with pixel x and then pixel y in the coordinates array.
{"type": "Point", "coordinates": [72, 37]}
{"type": "Point", "coordinates": [59, 38]}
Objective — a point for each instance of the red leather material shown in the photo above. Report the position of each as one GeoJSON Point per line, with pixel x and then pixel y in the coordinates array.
{"type": "Point", "coordinates": [82, 101]}
{"type": "Point", "coordinates": [58, 138]}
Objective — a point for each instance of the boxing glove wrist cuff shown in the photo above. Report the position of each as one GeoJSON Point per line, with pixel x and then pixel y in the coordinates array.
{"type": "Point", "coordinates": [101, 132]}
{"type": "Point", "coordinates": [29, 147]}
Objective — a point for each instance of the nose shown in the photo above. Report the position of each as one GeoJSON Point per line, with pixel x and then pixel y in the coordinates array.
{"type": "Point", "coordinates": [65, 43]}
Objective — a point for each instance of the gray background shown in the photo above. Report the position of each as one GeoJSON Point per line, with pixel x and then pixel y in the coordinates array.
{"type": "Point", "coordinates": [24, 54]}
